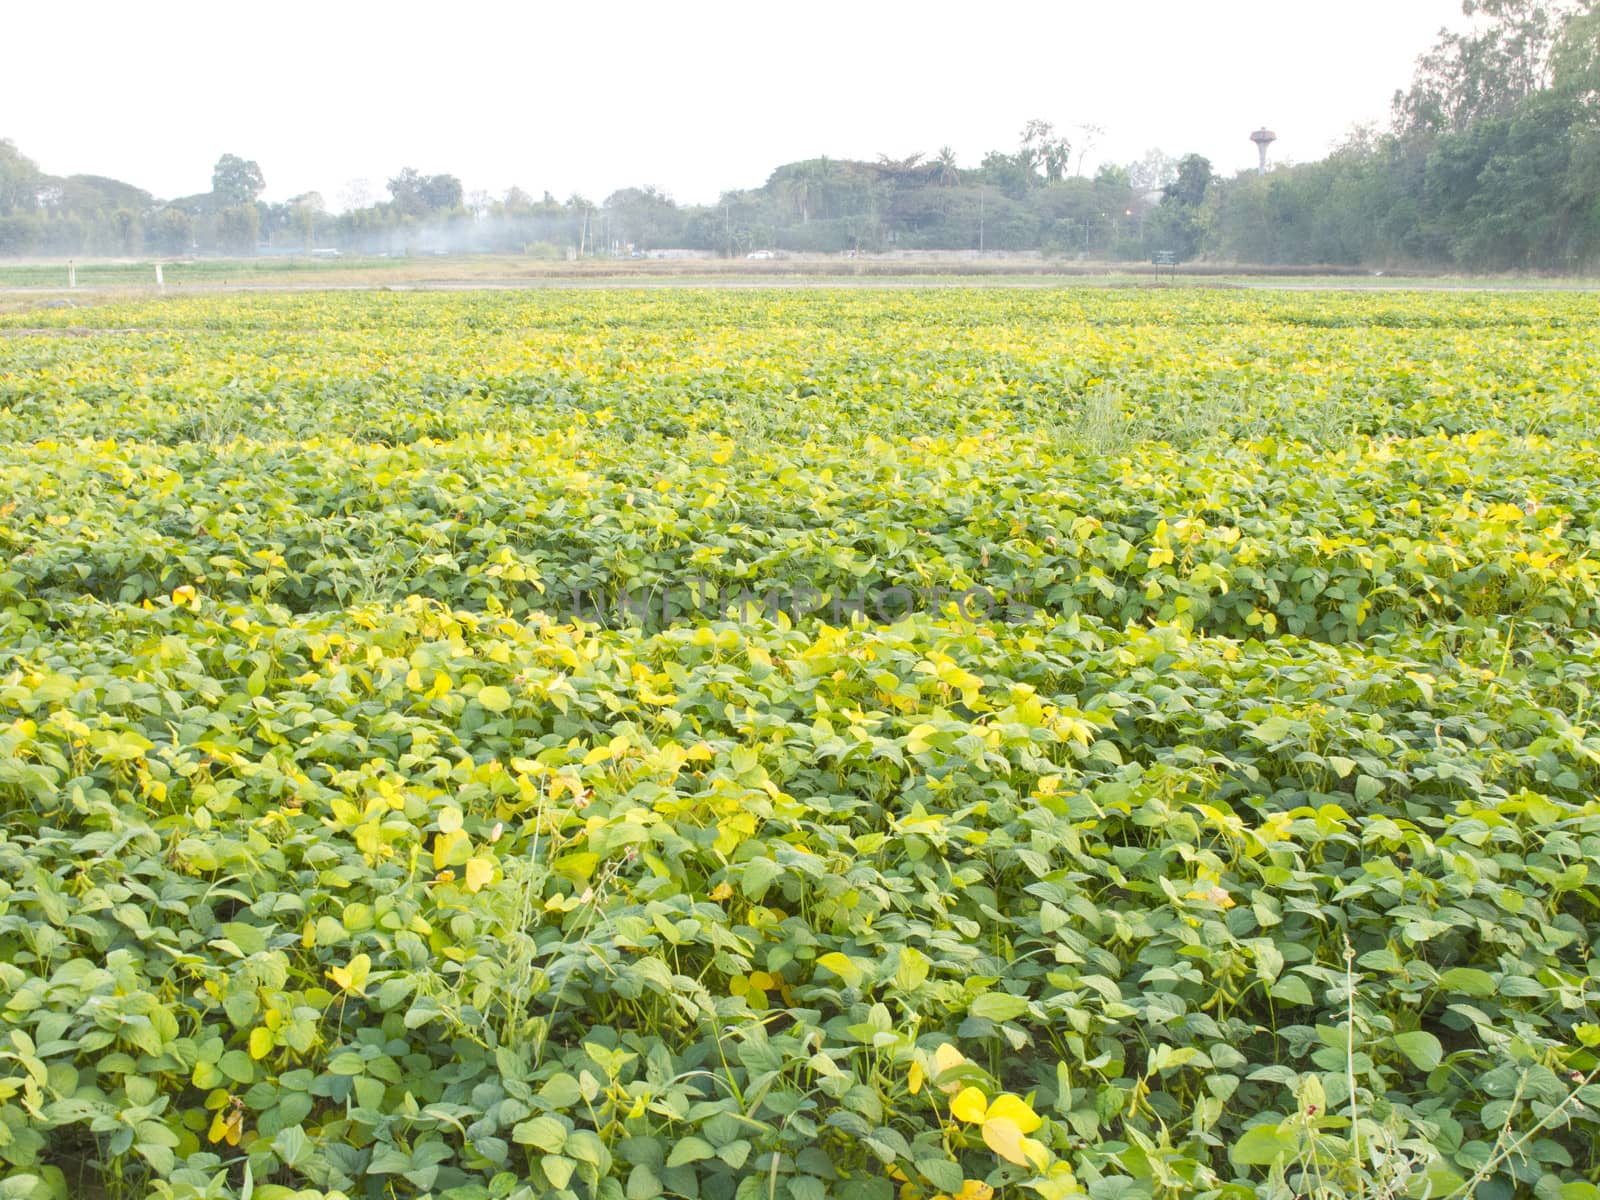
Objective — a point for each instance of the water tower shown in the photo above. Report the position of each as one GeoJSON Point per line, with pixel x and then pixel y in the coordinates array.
{"type": "Point", "coordinates": [1263, 138]}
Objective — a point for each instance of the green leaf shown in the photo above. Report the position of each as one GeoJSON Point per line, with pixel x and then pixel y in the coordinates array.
{"type": "Point", "coordinates": [1264, 1146]}
{"type": "Point", "coordinates": [557, 1170]}
{"type": "Point", "coordinates": [1291, 989]}
{"type": "Point", "coordinates": [561, 1091]}
{"type": "Point", "coordinates": [542, 1133]}
{"type": "Point", "coordinates": [911, 970]}
{"type": "Point", "coordinates": [585, 1146]}
{"type": "Point", "coordinates": [643, 1184]}
{"type": "Point", "coordinates": [236, 1065]}
{"type": "Point", "coordinates": [942, 1173]}
{"type": "Point", "coordinates": [494, 698]}
{"type": "Point", "coordinates": [1421, 1047]}
{"type": "Point", "coordinates": [1469, 981]}
{"type": "Point", "coordinates": [688, 1150]}
{"type": "Point", "coordinates": [757, 877]}
{"type": "Point", "coordinates": [1272, 730]}
{"type": "Point", "coordinates": [290, 1145]}
{"type": "Point", "coordinates": [998, 1006]}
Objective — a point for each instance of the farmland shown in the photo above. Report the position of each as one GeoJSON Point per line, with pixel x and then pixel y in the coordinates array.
{"type": "Point", "coordinates": [800, 744]}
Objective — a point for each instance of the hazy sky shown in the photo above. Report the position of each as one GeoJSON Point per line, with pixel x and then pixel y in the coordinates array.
{"type": "Point", "coordinates": [692, 97]}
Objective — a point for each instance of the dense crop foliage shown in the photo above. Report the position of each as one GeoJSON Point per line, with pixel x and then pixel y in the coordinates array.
{"type": "Point", "coordinates": [800, 744]}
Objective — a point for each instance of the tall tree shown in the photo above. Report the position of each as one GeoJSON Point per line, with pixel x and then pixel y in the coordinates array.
{"type": "Point", "coordinates": [237, 228]}
{"type": "Point", "coordinates": [1484, 71]}
{"type": "Point", "coordinates": [801, 185]}
{"type": "Point", "coordinates": [1089, 136]}
{"type": "Point", "coordinates": [1194, 176]}
{"type": "Point", "coordinates": [171, 231]}
{"type": "Point", "coordinates": [1179, 223]}
{"type": "Point", "coordinates": [20, 180]}
{"type": "Point", "coordinates": [418, 195]}
{"type": "Point", "coordinates": [1154, 171]}
{"type": "Point", "coordinates": [441, 193]}
{"type": "Point", "coordinates": [306, 212]}
{"type": "Point", "coordinates": [1575, 59]}
{"type": "Point", "coordinates": [1045, 150]}
{"type": "Point", "coordinates": [645, 217]}
{"type": "Point", "coordinates": [235, 180]}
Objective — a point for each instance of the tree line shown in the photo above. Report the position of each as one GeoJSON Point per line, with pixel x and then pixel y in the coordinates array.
{"type": "Point", "coordinates": [1490, 161]}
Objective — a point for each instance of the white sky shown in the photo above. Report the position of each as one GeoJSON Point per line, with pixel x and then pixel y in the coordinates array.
{"type": "Point", "coordinates": [693, 97]}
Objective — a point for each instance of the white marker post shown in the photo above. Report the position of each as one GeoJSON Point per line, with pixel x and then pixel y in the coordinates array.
{"type": "Point", "coordinates": [160, 282]}
{"type": "Point", "coordinates": [72, 276]}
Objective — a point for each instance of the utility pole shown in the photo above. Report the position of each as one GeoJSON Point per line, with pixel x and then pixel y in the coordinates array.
{"type": "Point", "coordinates": [980, 218]}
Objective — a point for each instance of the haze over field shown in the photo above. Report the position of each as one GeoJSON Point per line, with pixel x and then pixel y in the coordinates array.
{"type": "Point", "coordinates": [1415, 141]}
{"type": "Point", "coordinates": [693, 99]}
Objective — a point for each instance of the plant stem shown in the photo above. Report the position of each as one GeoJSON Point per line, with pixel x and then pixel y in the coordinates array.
{"type": "Point", "coordinates": [1350, 1063]}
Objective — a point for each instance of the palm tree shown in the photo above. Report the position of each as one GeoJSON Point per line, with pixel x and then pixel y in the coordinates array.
{"type": "Point", "coordinates": [945, 171]}
{"type": "Point", "coordinates": [802, 186]}
{"type": "Point", "coordinates": [899, 168]}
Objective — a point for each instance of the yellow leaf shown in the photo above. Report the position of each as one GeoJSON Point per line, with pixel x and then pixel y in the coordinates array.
{"type": "Point", "coordinates": [449, 819]}
{"type": "Point", "coordinates": [352, 978]}
{"type": "Point", "coordinates": [260, 1042]}
{"type": "Point", "coordinates": [970, 1105]}
{"type": "Point", "coordinates": [944, 1058]}
{"type": "Point", "coordinates": [479, 872]}
{"type": "Point", "coordinates": [450, 847]}
{"type": "Point", "coordinates": [1005, 1139]}
{"type": "Point", "coordinates": [914, 1082]}
{"type": "Point", "coordinates": [974, 1189]}
{"type": "Point", "coordinates": [1009, 1108]}
{"type": "Point", "coordinates": [227, 1125]}
{"type": "Point", "coordinates": [1035, 1152]}
{"type": "Point", "coordinates": [722, 891]}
